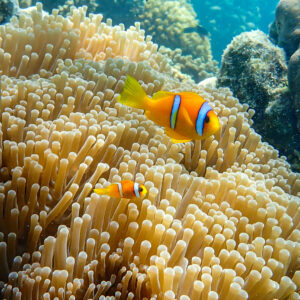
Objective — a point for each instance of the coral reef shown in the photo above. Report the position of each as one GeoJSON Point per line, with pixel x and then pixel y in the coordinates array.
{"type": "Point", "coordinates": [120, 11]}
{"type": "Point", "coordinates": [294, 80]}
{"type": "Point", "coordinates": [255, 70]}
{"type": "Point", "coordinates": [285, 32]}
{"type": "Point", "coordinates": [166, 29]}
{"type": "Point", "coordinates": [65, 6]}
{"type": "Point", "coordinates": [166, 20]}
{"type": "Point", "coordinates": [286, 27]}
{"type": "Point", "coordinates": [187, 65]}
{"type": "Point", "coordinates": [221, 217]}
{"type": "Point", "coordinates": [6, 10]}
{"type": "Point", "coordinates": [26, 3]}
{"type": "Point", "coordinates": [210, 82]}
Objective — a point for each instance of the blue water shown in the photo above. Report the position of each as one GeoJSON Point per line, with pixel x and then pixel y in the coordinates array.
{"type": "Point", "coordinates": [225, 19]}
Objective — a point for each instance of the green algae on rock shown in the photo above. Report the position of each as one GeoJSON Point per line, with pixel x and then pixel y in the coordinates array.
{"type": "Point", "coordinates": [285, 32]}
{"type": "Point", "coordinates": [6, 10]}
{"type": "Point", "coordinates": [256, 71]}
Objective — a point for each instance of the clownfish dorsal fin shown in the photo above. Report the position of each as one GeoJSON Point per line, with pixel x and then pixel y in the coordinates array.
{"type": "Point", "coordinates": [161, 94]}
{"type": "Point", "coordinates": [189, 94]}
{"type": "Point", "coordinates": [125, 181]}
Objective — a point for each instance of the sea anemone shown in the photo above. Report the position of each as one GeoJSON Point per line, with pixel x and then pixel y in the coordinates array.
{"type": "Point", "coordinates": [221, 216]}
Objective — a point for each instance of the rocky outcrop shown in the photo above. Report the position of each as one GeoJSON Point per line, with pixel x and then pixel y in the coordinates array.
{"type": "Point", "coordinates": [285, 32]}
{"type": "Point", "coordinates": [256, 72]}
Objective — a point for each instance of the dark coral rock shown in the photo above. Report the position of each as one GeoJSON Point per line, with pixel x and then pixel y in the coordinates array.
{"type": "Point", "coordinates": [256, 72]}
{"type": "Point", "coordinates": [285, 31]}
{"type": "Point", "coordinates": [294, 83]}
{"type": "Point", "coordinates": [6, 10]}
{"type": "Point", "coordinates": [254, 69]}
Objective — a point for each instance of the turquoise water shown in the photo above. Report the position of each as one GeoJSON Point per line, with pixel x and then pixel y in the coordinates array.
{"type": "Point", "coordinates": [225, 19]}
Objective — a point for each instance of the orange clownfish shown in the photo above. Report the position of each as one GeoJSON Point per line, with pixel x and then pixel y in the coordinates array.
{"type": "Point", "coordinates": [124, 189]}
{"type": "Point", "coordinates": [185, 116]}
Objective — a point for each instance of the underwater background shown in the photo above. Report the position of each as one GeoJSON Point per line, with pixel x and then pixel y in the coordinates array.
{"type": "Point", "coordinates": [194, 36]}
{"type": "Point", "coordinates": [223, 19]}
{"type": "Point", "coordinates": [216, 218]}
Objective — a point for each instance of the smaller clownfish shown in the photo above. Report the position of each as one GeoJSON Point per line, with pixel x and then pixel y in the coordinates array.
{"type": "Point", "coordinates": [124, 189]}
{"type": "Point", "coordinates": [185, 116]}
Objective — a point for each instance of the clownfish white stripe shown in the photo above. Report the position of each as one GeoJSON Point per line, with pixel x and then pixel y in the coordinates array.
{"type": "Point", "coordinates": [136, 189]}
{"type": "Point", "coordinates": [174, 112]}
{"type": "Point", "coordinates": [120, 189]}
{"type": "Point", "coordinates": [204, 109]}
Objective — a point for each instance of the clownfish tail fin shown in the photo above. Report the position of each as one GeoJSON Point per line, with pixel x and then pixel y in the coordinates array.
{"type": "Point", "coordinates": [133, 94]}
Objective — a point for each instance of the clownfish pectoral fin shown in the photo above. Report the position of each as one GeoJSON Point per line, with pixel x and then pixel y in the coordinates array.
{"type": "Point", "coordinates": [133, 94]}
{"type": "Point", "coordinates": [175, 137]}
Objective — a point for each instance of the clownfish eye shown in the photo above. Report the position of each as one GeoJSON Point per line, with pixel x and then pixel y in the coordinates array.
{"type": "Point", "coordinates": [140, 189]}
{"type": "Point", "coordinates": [206, 119]}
